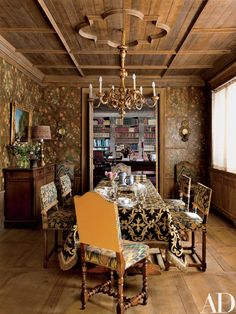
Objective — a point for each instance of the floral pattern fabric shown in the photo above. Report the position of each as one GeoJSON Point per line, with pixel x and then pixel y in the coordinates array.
{"type": "Point", "coordinates": [187, 221]}
{"type": "Point", "coordinates": [61, 219]}
{"type": "Point", "coordinates": [132, 253]}
{"type": "Point", "coordinates": [65, 183]}
{"type": "Point", "coordinates": [175, 205]}
{"type": "Point", "coordinates": [52, 217]}
{"type": "Point", "coordinates": [48, 196]}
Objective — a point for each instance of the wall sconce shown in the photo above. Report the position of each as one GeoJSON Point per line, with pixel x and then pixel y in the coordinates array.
{"type": "Point", "coordinates": [61, 131]}
{"type": "Point", "coordinates": [184, 130]}
{"type": "Point", "coordinates": [41, 133]}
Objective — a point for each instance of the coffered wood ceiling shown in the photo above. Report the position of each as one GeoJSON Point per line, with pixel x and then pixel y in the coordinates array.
{"type": "Point", "coordinates": [41, 37]}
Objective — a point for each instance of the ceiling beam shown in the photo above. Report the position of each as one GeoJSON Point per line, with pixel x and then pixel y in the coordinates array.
{"type": "Point", "coordinates": [191, 66]}
{"type": "Point", "coordinates": [27, 30]}
{"type": "Point", "coordinates": [130, 52]}
{"type": "Point", "coordinates": [60, 35]}
{"type": "Point", "coordinates": [187, 32]}
{"type": "Point", "coordinates": [46, 51]}
{"type": "Point", "coordinates": [189, 80]}
{"type": "Point", "coordinates": [54, 66]}
{"type": "Point", "coordinates": [114, 67]}
{"type": "Point", "coordinates": [205, 52]}
{"type": "Point", "coordinates": [227, 30]}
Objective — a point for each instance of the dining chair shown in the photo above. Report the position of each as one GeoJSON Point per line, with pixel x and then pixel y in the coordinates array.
{"type": "Point", "coordinates": [66, 192]}
{"type": "Point", "coordinates": [196, 221]}
{"type": "Point", "coordinates": [53, 218]}
{"type": "Point", "coordinates": [181, 204]}
{"type": "Point", "coordinates": [101, 244]}
{"type": "Point", "coordinates": [121, 167]}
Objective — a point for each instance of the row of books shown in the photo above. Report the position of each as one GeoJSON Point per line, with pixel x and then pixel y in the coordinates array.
{"type": "Point", "coordinates": [101, 142]}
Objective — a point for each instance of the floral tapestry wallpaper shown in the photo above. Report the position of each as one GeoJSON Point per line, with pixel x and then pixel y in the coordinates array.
{"type": "Point", "coordinates": [186, 103]}
{"type": "Point", "coordinates": [61, 107]}
{"type": "Point", "coordinates": [14, 87]}
{"type": "Point", "coordinates": [54, 106]}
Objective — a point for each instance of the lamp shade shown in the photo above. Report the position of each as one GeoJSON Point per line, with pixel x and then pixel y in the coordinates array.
{"type": "Point", "coordinates": [41, 132]}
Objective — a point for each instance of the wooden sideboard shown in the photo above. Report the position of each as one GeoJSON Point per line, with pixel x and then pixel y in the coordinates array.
{"type": "Point", "coordinates": [22, 194]}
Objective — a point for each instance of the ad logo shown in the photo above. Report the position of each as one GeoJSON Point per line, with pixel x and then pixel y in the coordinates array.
{"type": "Point", "coordinates": [225, 303]}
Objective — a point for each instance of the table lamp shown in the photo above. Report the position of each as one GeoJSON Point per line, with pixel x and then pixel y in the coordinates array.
{"type": "Point", "coordinates": [41, 133]}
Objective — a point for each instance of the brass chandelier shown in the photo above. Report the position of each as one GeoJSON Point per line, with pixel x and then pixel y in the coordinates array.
{"type": "Point", "coordinates": [123, 98]}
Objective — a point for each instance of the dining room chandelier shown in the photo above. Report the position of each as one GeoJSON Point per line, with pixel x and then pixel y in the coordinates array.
{"type": "Point", "coordinates": [123, 98]}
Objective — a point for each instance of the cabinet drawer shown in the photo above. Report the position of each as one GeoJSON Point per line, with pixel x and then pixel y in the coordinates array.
{"type": "Point", "coordinates": [49, 169]}
{"type": "Point", "coordinates": [39, 173]}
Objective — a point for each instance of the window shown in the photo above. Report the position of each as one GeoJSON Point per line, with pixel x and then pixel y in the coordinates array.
{"type": "Point", "coordinates": [224, 127]}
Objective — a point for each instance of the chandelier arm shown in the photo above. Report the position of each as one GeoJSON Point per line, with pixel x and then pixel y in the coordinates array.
{"type": "Point", "coordinates": [154, 100]}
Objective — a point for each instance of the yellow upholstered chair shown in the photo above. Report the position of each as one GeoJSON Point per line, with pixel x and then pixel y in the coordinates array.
{"type": "Point", "coordinates": [66, 191]}
{"type": "Point", "coordinates": [181, 204]}
{"type": "Point", "coordinates": [120, 167]}
{"type": "Point", "coordinates": [101, 244]}
{"type": "Point", "coordinates": [194, 221]}
{"type": "Point", "coordinates": [53, 217]}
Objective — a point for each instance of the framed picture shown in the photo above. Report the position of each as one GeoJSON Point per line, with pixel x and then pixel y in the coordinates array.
{"type": "Point", "coordinates": [21, 122]}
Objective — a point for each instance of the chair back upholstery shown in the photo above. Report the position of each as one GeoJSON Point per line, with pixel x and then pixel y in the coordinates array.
{"type": "Point", "coordinates": [120, 167]}
{"type": "Point", "coordinates": [48, 197]}
{"type": "Point", "coordinates": [98, 221]}
{"type": "Point", "coordinates": [184, 189]}
{"type": "Point", "coordinates": [202, 200]}
{"type": "Point", "coordinates": [185, 167]}
{"type": "Point", "coordinates": [65, 184]}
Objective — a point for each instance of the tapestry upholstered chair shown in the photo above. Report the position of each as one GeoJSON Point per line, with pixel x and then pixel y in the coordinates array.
{"type": "Point", "coordinates": [188, 169]}
{"type": "Point", "coordinates": [196, 220]}
{"type": "Point", "coordinates": [66, 192]}
{"type": "Point", "coordinates": [120, 167]}
{"type": "Point", "coordinates": [101, 244]}
{"type": "Point", "coordinates": [181, 204]}
{"type": "Point", "coordinates": [53, 217]}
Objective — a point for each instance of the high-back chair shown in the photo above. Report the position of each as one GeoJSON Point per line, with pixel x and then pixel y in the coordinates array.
{"type": "Point", "coordinates": [181, 204]}
{"type": "Point", "coordinates": [66, 191]}
{"type": "Point", "coordinates": [196, 221]}
{"type": "Point", "coordinates": [120, 167]}
{"type": "Point", "coordinates": [53, 217]}
{"type": "Point", "coordinates": [101, 244]}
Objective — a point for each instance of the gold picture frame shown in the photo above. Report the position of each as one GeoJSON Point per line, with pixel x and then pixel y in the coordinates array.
{"type": "Point", "coordinates": [21, 123]}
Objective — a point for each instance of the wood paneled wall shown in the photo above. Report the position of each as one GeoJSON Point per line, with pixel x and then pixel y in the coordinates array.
{"type": "Point", "coordinates": [224, 193]}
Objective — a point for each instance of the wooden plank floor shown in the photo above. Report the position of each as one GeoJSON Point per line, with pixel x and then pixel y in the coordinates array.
{"type": "Point", "coordinates": [27, 288]}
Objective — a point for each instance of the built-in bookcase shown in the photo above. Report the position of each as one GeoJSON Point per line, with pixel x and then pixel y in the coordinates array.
{"type": "Point", "coordinates": [112, 134]}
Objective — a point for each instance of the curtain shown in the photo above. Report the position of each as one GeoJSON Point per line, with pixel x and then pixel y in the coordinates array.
{"type": "Point", "coordinates": [224, 128]}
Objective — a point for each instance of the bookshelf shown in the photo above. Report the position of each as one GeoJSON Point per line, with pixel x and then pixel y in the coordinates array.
{"type": "Point", "coordinates": [112, 134]}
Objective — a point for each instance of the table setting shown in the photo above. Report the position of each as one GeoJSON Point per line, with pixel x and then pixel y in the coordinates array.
{"type": "Point", "coordinates": [143, 215]}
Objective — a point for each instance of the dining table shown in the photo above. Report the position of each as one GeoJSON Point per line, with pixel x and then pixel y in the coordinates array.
{"type": "Point", "coordinates": [142, 219]}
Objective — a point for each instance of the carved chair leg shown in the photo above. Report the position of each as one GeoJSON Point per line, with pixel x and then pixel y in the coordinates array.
{"type": "Point", "coordinates": [45, 249]}
{"type": "Point", "coordinates": [112, 279]}
{"type": "Point", "coordinates": [145, 285]}
{"type": "Point", "coordinates": [55, 240]}
{"type": "Point", "coordinates": [120, 305]}
{"type": "Point", "coordinates": [84, 292]}
{"type": "Point", "coordinates": [203, 251]}
{"type": "Point", "coordinates": [193, 242]}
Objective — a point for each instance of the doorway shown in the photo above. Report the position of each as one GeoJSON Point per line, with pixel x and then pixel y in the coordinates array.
{"type": "Point", "coordinates": [105, 122]}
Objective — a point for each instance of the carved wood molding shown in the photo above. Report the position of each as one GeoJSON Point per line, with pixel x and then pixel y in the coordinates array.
{"type": "Point", "coordinates": [88, 22]}
{"type": "Point", "coordinates": [8, 52]}
{"type": "Point", "coordinates": [168, 81]}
